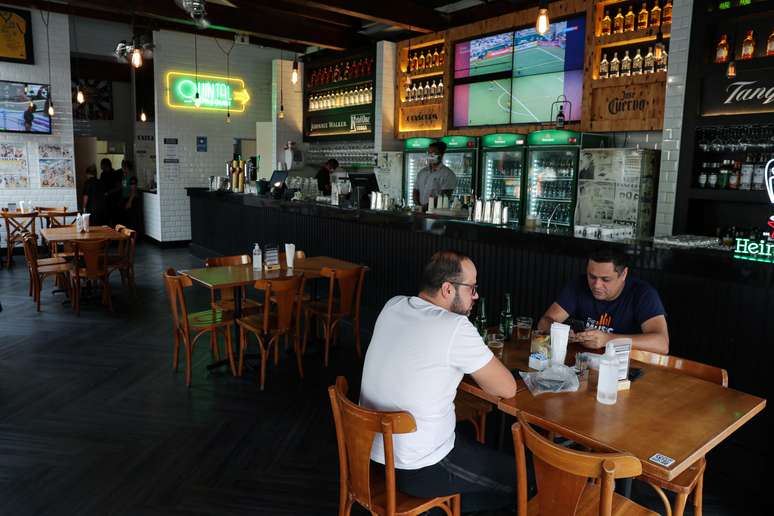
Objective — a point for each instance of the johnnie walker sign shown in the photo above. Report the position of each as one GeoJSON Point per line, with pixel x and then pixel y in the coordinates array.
{"type": "Point", "coordinates": [751, 91]}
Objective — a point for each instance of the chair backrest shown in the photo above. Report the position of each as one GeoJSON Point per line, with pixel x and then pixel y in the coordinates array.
{"type": "Point", "coordinates": [175, 283]}
{"type": "Point", "coordinates": [286, 295]}
{"type": "Point", "coordinates": [90, 258]}
{"type": "Point", "coordinates": [228, 261]}
{"type": "Point", "coordinates": [31, 253]}
{"type": "Point", "coordinates": [129, 244]}
{"type": "Point", "coordinates": [16, 224]}
{"type": "Point", "coordinates": [120, 227]}
{"type": "Point", "coordinates": [356, 428]}
{"type": "Point", "coordinates": [683, 365]}
{"type": "Point", "coordinates": [59, 218]}
{"type": "Point", "coordinates": [350, 288]}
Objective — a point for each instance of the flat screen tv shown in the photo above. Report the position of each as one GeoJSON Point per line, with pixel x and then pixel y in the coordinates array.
{"type": "Point", "coordinates": [514, 77]}
{"type": "Point", "coordinates": [23, 108]}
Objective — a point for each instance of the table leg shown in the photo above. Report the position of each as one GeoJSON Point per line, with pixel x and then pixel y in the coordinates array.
{"type": "Point", "coordinates": [237, 315]}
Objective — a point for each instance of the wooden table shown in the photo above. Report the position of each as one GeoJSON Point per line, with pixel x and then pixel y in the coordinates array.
{"type": "Point", "coordinates": [71, 234]}
{"type": "Point", "coordinates": [664, 412]}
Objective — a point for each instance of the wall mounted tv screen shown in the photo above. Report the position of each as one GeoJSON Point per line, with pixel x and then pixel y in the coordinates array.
{"type": "Point", "coordinates": [514, 77]}
{"type": "Point", "coordinates": [23, 108]}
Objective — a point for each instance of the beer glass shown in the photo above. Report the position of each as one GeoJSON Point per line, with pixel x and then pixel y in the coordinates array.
{"type": "Point", "coordinates": [496, 343]}
{"type": "Point", "coordinates": [523, 329]}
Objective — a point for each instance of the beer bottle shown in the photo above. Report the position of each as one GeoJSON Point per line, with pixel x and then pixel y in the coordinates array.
{"type": "Point", "coordinates": [481, 318]}
{"type": "Point", "coordinates": [506, 317]}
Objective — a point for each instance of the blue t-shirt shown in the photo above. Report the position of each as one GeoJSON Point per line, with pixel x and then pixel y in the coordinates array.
{"type": "Point", "coordinates": [624, 315]}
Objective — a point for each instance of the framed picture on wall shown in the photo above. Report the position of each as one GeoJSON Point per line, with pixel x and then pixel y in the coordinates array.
{"type": "Point", "coordinates": [16, 36]}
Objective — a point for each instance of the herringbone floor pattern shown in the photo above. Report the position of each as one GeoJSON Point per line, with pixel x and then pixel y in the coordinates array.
{"type": "Point", "coordinates": [93, 421]}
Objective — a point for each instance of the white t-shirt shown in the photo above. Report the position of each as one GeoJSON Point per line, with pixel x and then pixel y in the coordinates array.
{"type": "Point", "coordinates": [415, 361]}
{"type": "Point", "coordinates": [433, 182]}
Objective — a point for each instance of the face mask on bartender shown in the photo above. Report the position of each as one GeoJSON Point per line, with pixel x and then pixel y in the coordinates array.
{"type": "Point", "coordinates": [433, 159]}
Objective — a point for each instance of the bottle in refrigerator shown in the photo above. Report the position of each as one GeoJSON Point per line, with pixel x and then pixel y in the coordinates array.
{"type": "Point", "coordinates": [642, 17]}
{"type": "Point", "coordinates": [604, 67]}
{"type": "Point", "coordinates": [626, 65]}
{"type": "Point", "coordinates": [655, 15]}
{"type": "Point", "coordinates": [759, 174]}
{"type": "Point", "coordinates": [721, 49]}
{"type": "Point", "coordinates": [629, 24]}
{"type": "Point", "coordinates": [733, 175]}
{"type": "Point", "coordinates": [618, 22]}
{"type": "Point", "coordinates": [637, 63]}
{"type": "Point", "coordinates": [615, 66]}
{"type": "Point", "coordinates": [606, 24]}
{"type": "Point", "coordinates": [748, 168]}
{"type": "Point", "coordinates": [748, 46]}
{"type": "Point", "coordinates": [702, 179]}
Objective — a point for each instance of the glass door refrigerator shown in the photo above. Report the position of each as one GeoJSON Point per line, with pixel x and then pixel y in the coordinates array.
{"type": "Point", "coordinates": [462, 157]}
{"type": "Point", "coordinates": [552, 174]}
{"type": "Point", "coordinates": [414, 160]}
{"type": "Point", "coordinates": [502, 167]}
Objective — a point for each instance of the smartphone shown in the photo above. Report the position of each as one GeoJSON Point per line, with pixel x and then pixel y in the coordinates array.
{"type": "Point", "coordinates": [576, 325]}
{"type": "Point", "coordinates": [634, 373]}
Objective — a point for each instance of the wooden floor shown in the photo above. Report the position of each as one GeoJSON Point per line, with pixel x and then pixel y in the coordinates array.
{"type": "Point", "coordinates": [93, 421]}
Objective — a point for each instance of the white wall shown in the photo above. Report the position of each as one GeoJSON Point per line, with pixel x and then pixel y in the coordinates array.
{"type": "Point", "coordinates": [97, 37]}
{"type": "Point", "coordinates": [62, 123]}
{"type": "Point", "coordinates": [291, 127]}
{"type": "Point", "coordinates": [673, 115]}
{"type": "Point", "coordinates": [175, 51]}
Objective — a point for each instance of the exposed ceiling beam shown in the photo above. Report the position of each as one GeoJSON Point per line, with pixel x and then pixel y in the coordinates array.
{"type": "Point", "coordinates": [273, 29]}
{"type": "Point", "coordinates": [317, 15]}
{"type": "Point", "coordinates": [398, 13]}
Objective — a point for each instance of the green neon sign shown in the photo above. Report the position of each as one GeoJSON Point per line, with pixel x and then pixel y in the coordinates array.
{"type": "Point", "coordinates": [761, 251]}
{"type": "Point", "coordinates": [216, 93]}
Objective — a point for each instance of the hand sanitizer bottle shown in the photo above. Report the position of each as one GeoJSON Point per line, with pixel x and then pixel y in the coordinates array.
{"type": "Point", "coordinates": [607, 384]}
{"type": "Point", "coordinates": [257, 258]}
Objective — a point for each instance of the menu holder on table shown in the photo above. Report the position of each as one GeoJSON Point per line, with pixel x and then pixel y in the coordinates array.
{"type": "Point", "coordinates": [271, 258]}
{"type": "Point", "coordinates": [623, 348]}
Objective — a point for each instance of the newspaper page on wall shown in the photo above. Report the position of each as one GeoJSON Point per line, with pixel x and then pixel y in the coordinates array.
{"type": "Point", "coordinates": [56, 165]}
{"type": "Point", "coordinates": [14, 166]}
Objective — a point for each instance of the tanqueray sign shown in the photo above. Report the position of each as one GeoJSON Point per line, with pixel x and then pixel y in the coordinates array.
{"type": "Point", "coordinates": [763, 250]}
{"type": "Point", "coordinates": [216, 93]}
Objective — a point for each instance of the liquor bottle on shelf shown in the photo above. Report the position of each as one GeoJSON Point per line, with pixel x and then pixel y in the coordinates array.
{"type": "Point", "coordinates": [655, 15]}
{"type": "Point", "coordinates": [414, 62]}
{"type": "Point", "coordinates": [345, 75]}
{"type": "Point", "coordinates": [642, 17]}
{"type": "Point", "coordinates": [336, 74]}
{"type": "Point", "coordinates": [604, 67]}
{"type": "Point", "coordinates": [637, 63]}
{"type": "Point", "coordinates": [721, 50]}
{"type": "Point", "coordinates": [770, 44]}
{"type": "Point", "coordinates": [629, 25]}
{"type": "Point", "coordinates": [618, 23]}
{"type": "Point", "coordinates": [748, 46]}
{"type": "Point", "coordinates": [615, 66]}
{"type": "Point", "coordinates": [421, 61]}
{"type": "Point", "coordinates": [429, 59]}
{"type": "Point", "coordinates": [666, 13]}
{"type": "Point", "coordinates": [626, 65]}
{"type": "Point", "coordinates": [439, 90]}
{"type": "Point", "coordinates": [433, 90]}
{"type": "Point", "coordinates": [436, 58]}
{"type": "Point", "coordinates": [606, 24]}
{"type": "Point", "coordinates": [442, 57]}
{"type": "Point", "coordinates": [701, 181]}
{"type": "Point", "coordinates": [759, 173]}
{"type": "Point", "coordinates": [661, 63]}
{"type": "Point", "coordinates": [733, 175]}
{"type": "Point", "coordinates": [746, 175]}
{"type": "Point", "coordinates": [414, 93]}
{"type": "Point", "coordinates": [649, 63]}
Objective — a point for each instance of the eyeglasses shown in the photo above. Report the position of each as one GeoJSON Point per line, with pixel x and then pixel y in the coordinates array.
{"type": "Point", "coordinates": [473, 288]}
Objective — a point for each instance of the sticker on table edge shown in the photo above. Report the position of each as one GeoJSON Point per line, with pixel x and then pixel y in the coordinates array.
{"type": "Point", "coordinates": [662, 460]}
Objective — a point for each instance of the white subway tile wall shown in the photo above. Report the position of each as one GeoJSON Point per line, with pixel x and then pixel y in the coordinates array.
{"type": "Point", "coordinates": [673, 115]}
{"type": "Point", "coordinates": [62, 123]}
{"type": "Point", "coordinates": [289, 128]}
{"type": "Point", "coordinates": [167, 217]}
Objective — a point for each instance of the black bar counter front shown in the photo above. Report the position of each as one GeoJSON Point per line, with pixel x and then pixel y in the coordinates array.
{"type": "Point", "coordinates": [720, 310]}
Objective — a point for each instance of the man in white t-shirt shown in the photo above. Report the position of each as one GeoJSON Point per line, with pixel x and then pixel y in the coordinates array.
{"type": "Point", "coordinates": [420, 350]}
{"type": "Point", "coordinates": [435, 179]}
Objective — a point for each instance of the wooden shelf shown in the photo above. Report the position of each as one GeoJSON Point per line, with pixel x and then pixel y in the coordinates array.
{"type": "Point", "coordinates": [632, 38]}
{"type": "Point", "coordinates": [340, 84]}
{"type": "Point", "coordinates": [339, 109]}
{"type": "Point", "coordinates": [745, 196]}
{"type": "Point", "coordinates": [646, 78]}
{"type": "Point", "coordinates": [437, 72]}
{"type": "Point", "coordinates": [427, 102]}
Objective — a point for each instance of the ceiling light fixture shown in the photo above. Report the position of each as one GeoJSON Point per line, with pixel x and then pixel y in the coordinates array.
{"type": "Point", "coordinates": [50, 108]}
{"type": "Point", "coordinates": [294, 73]}
{"type": "Point", "coordinates": [143, 116]}
{"type": "Point", "coordinates": [197, 100]}
{"type": "Point", "coordinates": [543, 22]}
{"type": "Point", "coordinates": [79, 98]}
{"type": "Point", "coordinates": [197, 10]}
{"type": "Point", "coordinates": [228, 75]}
{"type": "Point", "coordinates": [281, 114]}
{"type": "Point", "coordinates": [136, 59]}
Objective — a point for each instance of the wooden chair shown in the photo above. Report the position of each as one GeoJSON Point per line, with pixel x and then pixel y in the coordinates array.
{"type": "Point", "coordinates": [90, 263]}
{"type": "Point", "coordinates": [692, 479]}
{"type": "Point", "coordinates": [563, 475]}
{"type": "Point", "coordinates": [57, 217]}
{"type": "Point", "coordinates": [224, 299]}
{"type": "Point", "coordinates": [473, 410]}
{"type": "Point", "coordinates": [280, 318]}
{"type": "Point", "coordinates": [123, 261]}
{"type": "Point", "coordinates": [359, 480]}
{"type": "Point", "coordinates": [213, 321]}
{"type": "Point", "coordinates": [40, 269]}
{"type": "Point", "coordinates": [337, 308]}
{"type": "Point", "coordinates": [17, 225]}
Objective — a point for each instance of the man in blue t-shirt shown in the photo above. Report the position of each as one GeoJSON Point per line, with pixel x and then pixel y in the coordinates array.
{"type": "Point", "coordinates": [605, 303]}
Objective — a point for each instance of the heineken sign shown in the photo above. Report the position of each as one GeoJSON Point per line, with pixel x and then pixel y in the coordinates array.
{"type": "Point", "coordinates": [216, 93]}
{"type": "Point", "coordinates": [763, 249]}
{"type": "Point", "coordinates": [751, 91]}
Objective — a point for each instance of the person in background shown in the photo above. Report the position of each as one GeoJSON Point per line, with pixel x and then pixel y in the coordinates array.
{"type": "Point", "coordinates": [129, 195]}
{"type": "Point", "coordinates": [29, 117]}
{"type": "Point", "coordinates": [323, 176]}
{"type": "Point", "coordinates": [93, 200]}
{"type": "Point", "coordinates": [111, 182]}
{"type": "Point", "coordinates": [605, 303]}
{"type": "Point", "coordinates": [420, 349]}
{"type": "Point", "coordinates": [435, 179]}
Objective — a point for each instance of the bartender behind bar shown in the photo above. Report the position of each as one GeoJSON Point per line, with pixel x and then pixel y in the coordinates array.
{"type": "Point", "coordinates": [323, 176]}
{"type": "Point", "coordinates": [435, 179]}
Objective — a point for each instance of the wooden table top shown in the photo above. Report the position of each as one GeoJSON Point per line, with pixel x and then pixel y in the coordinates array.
{"type": "Point", "coordinates": [70, 234]}
{"type": "Point", "coordinates": [241, 275]}
{"type": "Point", "coordinates": [664, 412]}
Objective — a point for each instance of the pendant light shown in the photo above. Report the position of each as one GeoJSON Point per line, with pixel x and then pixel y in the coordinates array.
{"type": "Point", "coordinates": [49, 101]}
{"type": "Point", "coordinates": [281, 114]}
{"type": "Point", "coordinates": [79, 98]}
{"type": "Point", "coordinates": [143, 116]}
{"type": "Point", "coordinates": [136, 59]}
{"type": "Point", "coordinates": [197, 100]}
{"type": "Point", "coordinates": [543, 22]}
{"type": "Point", "coordinates": [294, 73]}
{"type": "Point", "coordinates": [228, 74]}
{"type": "Point", "coordinates": [50, 109]}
